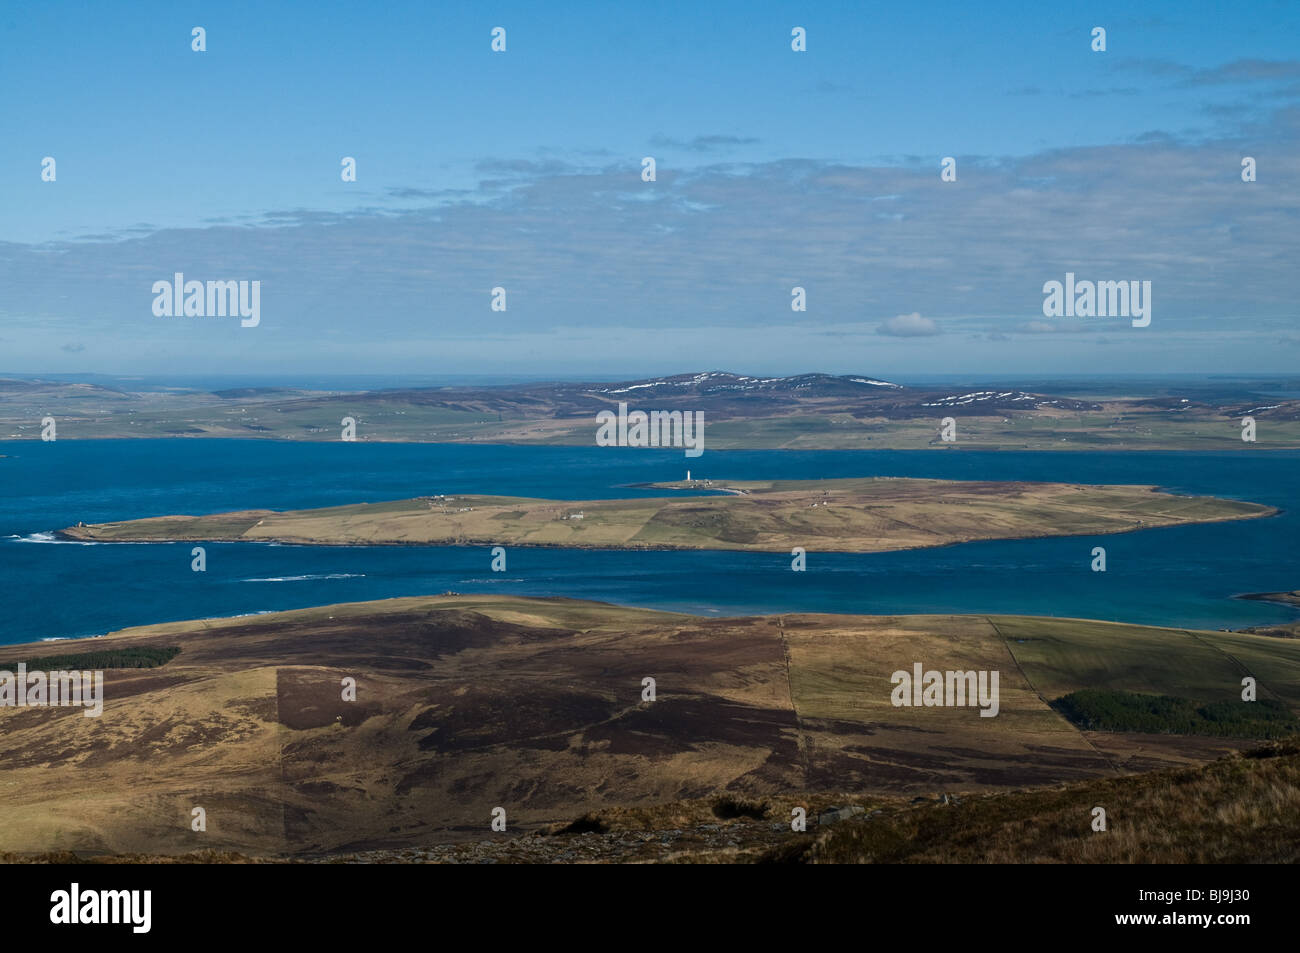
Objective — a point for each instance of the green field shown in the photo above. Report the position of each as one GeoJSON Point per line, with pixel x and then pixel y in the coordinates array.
{"type": "Point", "coordinates": [1060, 656]}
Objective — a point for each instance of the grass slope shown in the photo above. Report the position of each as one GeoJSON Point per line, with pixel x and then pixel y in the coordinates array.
{"type": "Point", "coordinates": [465, 703]}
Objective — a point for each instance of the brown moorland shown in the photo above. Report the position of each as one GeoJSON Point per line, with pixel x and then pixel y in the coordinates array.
{"type": "Point", "coordinates": [467, 703]}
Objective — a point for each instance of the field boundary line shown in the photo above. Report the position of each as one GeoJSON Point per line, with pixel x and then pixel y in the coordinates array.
{"type": "Point", "coordinates": [804, 743]}
{"type": "Point", "coordinates": [1041, 697]}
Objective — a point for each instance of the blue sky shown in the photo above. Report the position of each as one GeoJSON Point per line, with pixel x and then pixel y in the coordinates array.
{"type": "Point", "coordinates": [521, 169]}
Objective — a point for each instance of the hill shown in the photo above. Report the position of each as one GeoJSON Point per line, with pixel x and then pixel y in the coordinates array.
{"type": "Point", "coordinates": [804, 411]}
{"type": "Point", "coordinates": [467, 703]}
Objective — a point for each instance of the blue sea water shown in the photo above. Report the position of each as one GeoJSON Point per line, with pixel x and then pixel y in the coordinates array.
{"type": "Point", "coordinates": [1182, 576]}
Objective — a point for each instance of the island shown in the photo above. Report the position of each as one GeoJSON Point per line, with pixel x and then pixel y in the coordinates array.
{"type": "Point", "coordinates": [857, 515]}
{"type": "Point", "coordinates": [1285, 598]}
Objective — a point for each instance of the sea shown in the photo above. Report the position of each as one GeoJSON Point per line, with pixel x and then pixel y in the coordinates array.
{"type": "Point", "coordinates": [53, 589]}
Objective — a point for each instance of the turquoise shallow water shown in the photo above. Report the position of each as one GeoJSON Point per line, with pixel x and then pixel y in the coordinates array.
{"type": "Point", "coordinates": [1182, 576]}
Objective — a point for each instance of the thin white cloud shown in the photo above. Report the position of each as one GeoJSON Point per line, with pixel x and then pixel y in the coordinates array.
{"type": "Point", "coordinates": [719, 248]}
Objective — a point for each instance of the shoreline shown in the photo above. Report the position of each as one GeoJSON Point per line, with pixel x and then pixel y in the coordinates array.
{"type": "Point", "coordinates": [396, 603]}
{"type": "Point", "coordinates": [1291, 599]}
{"type": "Point", "coordinates": [946, 447]}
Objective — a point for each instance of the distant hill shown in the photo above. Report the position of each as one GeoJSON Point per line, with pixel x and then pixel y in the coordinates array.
{"type": "Point", "coordinates": [239, 393]}
{"type": "Point", "coordinates": [722, 395]}
{"type": "Point", "coordinates": [804, 411]}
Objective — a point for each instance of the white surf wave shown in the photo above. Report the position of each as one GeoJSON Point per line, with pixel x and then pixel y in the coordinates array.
{"type": "Point", "coordinates": [52, 540]}
{"type": "Point", "coordinates": [328, 575]}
